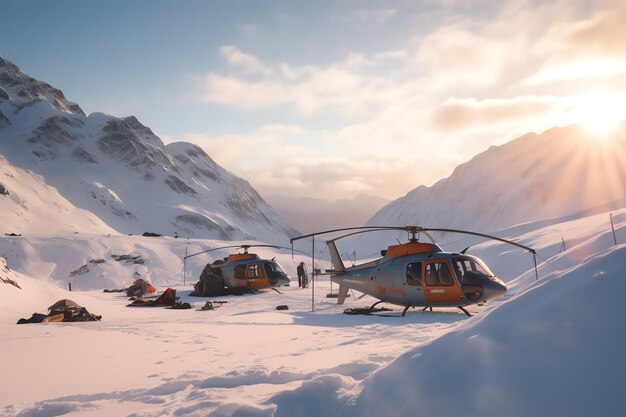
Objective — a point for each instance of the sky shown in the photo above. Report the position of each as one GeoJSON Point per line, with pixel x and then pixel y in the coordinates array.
{"type": "Point", "coordinates": [331, 99]}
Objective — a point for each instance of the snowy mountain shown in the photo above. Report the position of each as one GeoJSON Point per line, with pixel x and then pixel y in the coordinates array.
{"type": "Point", "coordinates": [28, 204]}
{"type": "Point", "coordinates": [314, 214]}
{"type": "Point", "coordinates": [119, 170]}
{"type": "Point", "coordinates": [560, 172]}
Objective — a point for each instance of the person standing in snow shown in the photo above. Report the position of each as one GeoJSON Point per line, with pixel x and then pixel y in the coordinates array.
{"type": "Point", "coordinates": [301, 275]}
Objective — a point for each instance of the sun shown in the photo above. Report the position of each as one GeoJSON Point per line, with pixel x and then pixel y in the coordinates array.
{"type": "Point", "coordinates": [600, 112]}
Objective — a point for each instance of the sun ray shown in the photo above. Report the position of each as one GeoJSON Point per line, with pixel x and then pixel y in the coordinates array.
{"type": "Point", "coordinates": [599, 112]}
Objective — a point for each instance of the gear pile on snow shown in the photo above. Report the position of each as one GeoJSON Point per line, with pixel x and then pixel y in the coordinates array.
{"type": "Point", "coordinates": [62, 311]}
{"type": "Point", "coordinates": [168, 298]}
{"type": "Point", "coordinates": [140, 288]}
{"type": "Point", "coordinates": [210, 284]}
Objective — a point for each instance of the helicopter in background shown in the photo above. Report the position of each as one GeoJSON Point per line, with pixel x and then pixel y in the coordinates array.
{"type": "Point", "coordinates": [417, 274]}
{"type": "Point", "coordinates": [239, 273]}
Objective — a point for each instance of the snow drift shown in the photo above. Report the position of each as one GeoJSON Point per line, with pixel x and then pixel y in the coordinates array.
{"type": "Point", "coordinates": [554, 349]}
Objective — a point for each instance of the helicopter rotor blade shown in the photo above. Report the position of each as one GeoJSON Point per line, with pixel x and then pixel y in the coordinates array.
{"type": "Point", "coordinates": [245, 247]}
{"type": "Point", "coordinates": [412, 229]}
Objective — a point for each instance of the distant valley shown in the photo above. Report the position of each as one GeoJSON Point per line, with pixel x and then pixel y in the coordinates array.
{"type": "Point", "coordinates": [311, 214]}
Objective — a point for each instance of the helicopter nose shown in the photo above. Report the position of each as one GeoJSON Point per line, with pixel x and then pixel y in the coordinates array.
{"type": "Point", "coordinates": [493, 289]}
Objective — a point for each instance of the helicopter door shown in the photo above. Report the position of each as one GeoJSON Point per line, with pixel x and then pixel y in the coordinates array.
{"type": "Point", "coordinates": [439, 284]}
{"type": "Point", "coordinates": [255, 275]}
{"type": "Point", "coordinates": [239, 273]}
{"type": "Point", "coordinates": [413, 287]}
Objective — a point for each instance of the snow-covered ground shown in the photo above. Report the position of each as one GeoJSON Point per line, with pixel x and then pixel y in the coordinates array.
{"type": "Point", "coordinates": [181, 362]}
{"type": "Point", "coordinates": [550, 347]}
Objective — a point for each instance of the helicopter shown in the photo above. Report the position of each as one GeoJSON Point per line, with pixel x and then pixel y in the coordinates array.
{"type": "Point", "coordinates": [416, 274]}
{"type": "Point", "coordinates": [238, 273]}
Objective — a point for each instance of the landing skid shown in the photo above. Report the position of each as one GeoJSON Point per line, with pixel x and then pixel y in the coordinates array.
{"type": "Point", "coordinates": [461, 308]}
{"type": "Point", "coordinates": [375, 304]}
{"type": "Point", "coordinates": [372, 309]}
{"type": "Point", "coordinates": [465, 311]}
{"type": "Point", "coordinates": [367, 311]}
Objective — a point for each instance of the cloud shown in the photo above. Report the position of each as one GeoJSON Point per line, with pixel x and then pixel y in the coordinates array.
{"type": "Point", "coordinates": [332, 178]}
{"type": "Point", "coordinates": [244, 62]}
{"type": "Point", "coordinates": [237, 92]}
{"type": "Point", "coordinates": [458, 57]}
{"type": "Point", "coordinates": [603, 34]}
{"type": "Point", "coordinates": [389, 120]}
{"type": "Point", "coordinates": [342, 88]}
{"type": "Point", "coordinates": [281, 130]}
{"type": "Point", "coordinates": [457, 114]}
{"type": "Point", "coordinates": [580, 46]}
{"type": "Point", "coordinates": [397, 54]}
{"type": "Point", "coordinates": [268, 145]}
{"type": "Point", "coordinates": [326, 164]}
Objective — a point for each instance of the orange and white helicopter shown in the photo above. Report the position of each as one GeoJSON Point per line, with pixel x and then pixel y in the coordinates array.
{"type": "Point", "coordinates": [238, 273]}
{"type": "Point", "coordinates": [417, 274]}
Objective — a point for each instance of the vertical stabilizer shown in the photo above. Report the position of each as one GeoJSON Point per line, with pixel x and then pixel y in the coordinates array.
{"type": "Point", "coordinates": [335, 259]}
{"type": "Point", "coordinates": [343, 291]}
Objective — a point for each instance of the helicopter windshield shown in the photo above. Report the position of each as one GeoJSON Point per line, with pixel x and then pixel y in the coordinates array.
{"type": "Point", "coordinates": [273, 266]}
{"type": "Point", "coordinates": [467, 263]}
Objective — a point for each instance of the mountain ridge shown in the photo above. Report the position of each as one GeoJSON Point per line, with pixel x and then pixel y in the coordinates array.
{"type": "Point", "coordinates": [532, 177]}
{"type": "Point", "coordinates": [118, 169]}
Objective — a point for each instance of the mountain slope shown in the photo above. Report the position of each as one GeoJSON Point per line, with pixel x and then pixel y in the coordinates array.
{"type": "Point", "coordinates": [28, 204]}
{"type": "Point", "coordinates": [561, 172]}
{"type": "Point", "coordinates": [122, 172]}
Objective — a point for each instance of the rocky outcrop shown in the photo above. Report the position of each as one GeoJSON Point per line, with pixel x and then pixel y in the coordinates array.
{"type": "Point", "coordinates": [22, 87]}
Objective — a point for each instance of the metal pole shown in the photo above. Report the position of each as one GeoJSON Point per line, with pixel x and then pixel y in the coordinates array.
{"type": "Point", "coordinates": [185, 267]}
{"type": "Point", "coordinates": [535, 261]}
{"type": "Point", "coordinates": [313, 275]}
{"type": "Point", "coordinates": [613, 229]}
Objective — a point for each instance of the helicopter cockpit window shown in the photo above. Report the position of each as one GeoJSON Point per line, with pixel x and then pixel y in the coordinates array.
{"type": "Point", "coordinates": [482, 267]}
{"type": "Point", "coordinates": [464, 264]}
{"type": "Point", "coordinates": [414, 274]}
{"type": "Point", "coordinates": [437, 273]}
{"type": "Point", "coordinates": [460, 267]}
{"type": "Point", "coordinates": [254, 271]}
{"type": "Point", "coordinates": [271, 267]}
